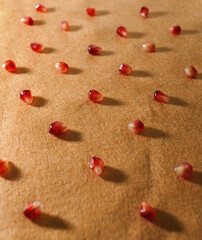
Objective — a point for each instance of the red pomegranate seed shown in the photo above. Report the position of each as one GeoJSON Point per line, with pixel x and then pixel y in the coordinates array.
{"type": "Point", "coordinates": [122, 31]}
{"type": "Point", "coordinates": [176, 30]}
{"type": "Point", "coordinates": [27, 21]}
{"type": "Point", "coordinates": [41, 8]}
{"type": "Point", "coordinates": [97, 165]}
{"type": "Point", "coordinates": [91, 11]}
{"type": "Point", "coordinates": [184, 170]}
{"type": "Point", "coordinates": [62, 67]}
{"type": "Point", "coordinates": [33, 210]}
{"type": "Point", "coordinates": [64, 26]}
{"type": "Point", "coordinates": [144, 11]}
{"type": "Point", "coordinates": [136, 126]}
{"type": "Point", "coordinates": [9, 66]}
{"type": "Point", "coordinates": [125, 69]}
{"type": "Point", "coordinates": [149, 47]}
{"type": "Point", "coordinates": [95, 96]}
{"type": "Point", "coordinates": [57, 128]}
{"type": "Point", "coordinates": [161, 97]}
{"type": "Point", "coordinates": [26, 96]}
{"type": "Point", "coordinates": [3, 166]}
{"type": "Point", "coordinates": [191, 72]}
{"type": "Point", "coordinates": [147, 211]}
{"type": "Point", "coordinates": [37, 47]}
{"type": "Point", "coordinates": [94, 50]}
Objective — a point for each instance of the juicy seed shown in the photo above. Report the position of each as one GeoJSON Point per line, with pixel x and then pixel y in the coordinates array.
{"type": "Point", "coordinates": [122, 31]}
{"type": "Point", "coordinates": [147, 211]}
{"type": "Point", "coordinates": [125, 69]}
{"type": "Point", "coordinates": [95, 96]}
{"type": "Point", "coordinates": [57, 128]}
{"type": "Point", "coordinates": [62, 67]}
{"type": "Point", "coordinates": [9, 66]}
{"type": "Point", "coordinates": [191, 72]}
{"type": "Point", "coordinates": [97, 165]}
{"type": "Point", "coordinates": [94, 50]}
{"type": "Point", "coordinates": [136, 126]}
{"type": "Point", "coordinates": [26, 96]}
{"type": "Point", "coordinates": [27, 21]}
{"type": "Point", "coordinates": [161, 97]}
{"type": "Point", "coordinates": [144, 11]}
{"type": "Point", "coordinates": [41, 8]}
{"type": "Point", "coordinates": [175, 30]}
{"type": "Point", "coordinates": [64, 26]}
{"type": "Point", "coordinates": [149, 47]}
{"type": "Point", "coordinates": [91, 11]}
{"type": "Point", "coordinates": [3, 166]}
{"type": "Point", "coordinates": [37, 47]}
{"type": "Point", "coordinates": [184, 170]}
{"type": "Point", "coordinates": [33, 210]}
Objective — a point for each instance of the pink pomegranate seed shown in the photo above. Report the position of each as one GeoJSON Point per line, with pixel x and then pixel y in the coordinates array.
{"type": "Point", "coordinates": [33, 210]}
{"type": "Point", "coordinates": [94, 50]}
{"type": "Point", "coordinates": [144, 11]}
{"type": "Point", "coordinates": [9, 66]}
{"type": "Point", "coordinates": [184, 170]}
{"type": "Point", "coordinates": [26, 96]}
{"type": "Point", "coordinates": [62, 67]}
{"type": "Point", "coordinates": [97, 165]}
{"type": "Point", "coordinates": [191, 72]}
{"type": "Point", "coordinates": [136, 126]}
{"type": "Point", "coordinates": [91, 11]}
{"type": "Point", "coordinates": [3, 166]}
{"type": "Point", "coordinates": [57, 128]}
{"type": "Point", "coordinates": [125, 69]}
{"type": "Point", "coordinates": [147, 211]}
{"type": "Point", "coordinates": [41, 8]}
{"type": "Point", "coordinates": [149, 47]}
{"type": "Point", "coordinates": [122, 31]}
{"type": "Point", "coordinates": [161, 97]}
{"type": "Point", "coordinates": [37, 47]}
{"type": "Point", "coordinates": [95, 96]}
{"type": "Point", "coordinates": [64, 26]}
{"type": "Point", "coordinates": [27, 21]}
{"type": "Point", "coordinates": [176, 30]}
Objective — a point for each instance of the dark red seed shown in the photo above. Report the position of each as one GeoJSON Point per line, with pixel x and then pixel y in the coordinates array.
{"type": "Point", "coordinates": [147, 211]}
{"type": "Point", "coordinates": [94, 50]}
{"type": "Point", "coordinates": [190, 71]}
{"type": "Point", "coordinates": [184, 170]}
{"type": "Point", "coordinates": [125, 69]}
{"type": "Point", "coordinates": [161, 97]}
{"type": "Point", "coordinates": [26, 96]}
{"type": "Point", "coordinates": [144, 11]}
{"type": "Point", "coordinates": [175, 30]}
{"type": "Point", "coordinates": [136, 126]}
{"type": "Point", "coordinates": [3, 166]}
{"type": "Point", "coordinates": [9, 66]}
{"type": "Point", "coordinates": [27, 21]}
{"type": "Point", "coordinates": [95, 96]}
{"type": "Point", "coordinates": [122, 31]}
{"type": "Point", "coordinates": [33, 210]}
{"type": "Point", "coordinates": [91, 11]}
{"type": "Point", "coordinates": [37, 47]}
{"type": "Point", "coordinates": [57, 128]}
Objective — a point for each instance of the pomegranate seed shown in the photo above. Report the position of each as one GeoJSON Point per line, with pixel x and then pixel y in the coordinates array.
{"type": "Point", "coordinates": [36, 47]}
{"type": "Point", "coordinates": [3, 166]}
{"type": "Point", "coordinates": [144, 11]}
{"type": "Point", "coordinates": [95, 96]}
{"type": "Point", "coordinates": [184, 170]}
{"type": "Point", "coordinates": [26, 96]}
{"type": "Point", "coordinates": [41, 8]}
{"type": "Point", "coordinates": [136, 126]}
{"type": "Point", "coordinates": [97, 165]}
{"type": "Point", "coordinates": [62, 67]}
{"type": "Point", "coordinates": [57, 128]}
{"type": "Point", "coordinates": [149, 47]}
{"type": "Point", "coordinates": [64, 26]}
{"type": "Point", "coordinates": [190, 72]}
{"type": "Point", "coordinates": [94, 50]}
{"type": "Point", "coordinates": [9, 66]}
{"type": "Point", "coordinates": [27, 21]}
{"type": "Point", "coordinates": [125, 69]}
{"type": "Point", "coordinates": [91, 11]}
{"type": "Point", "coordinates": [161, 97]}
{"type": "Point", "coordinates": [122, 31]}
{"type": "Point", "coordinates": [175, 30]}
{"type": "Point", "coordinates": [147, 211]}
{"type": "Point", "coordinates": [33, 209]}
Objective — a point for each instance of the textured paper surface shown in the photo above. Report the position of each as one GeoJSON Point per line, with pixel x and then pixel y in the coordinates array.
{"type": "Point", "coordinates": [77, 204]}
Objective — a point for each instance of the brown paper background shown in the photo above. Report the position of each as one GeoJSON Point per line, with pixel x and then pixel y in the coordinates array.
{"type": "Point", "coordinates": [77, 204]}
